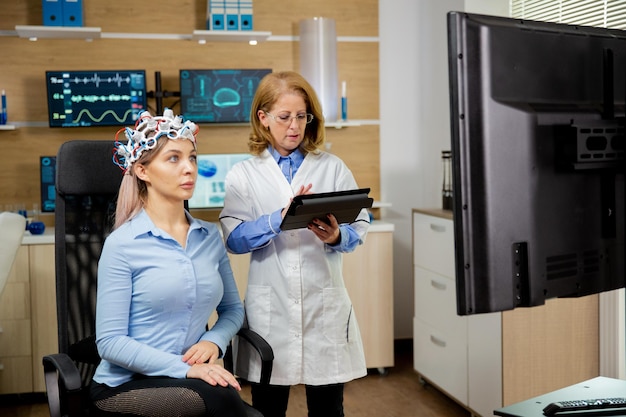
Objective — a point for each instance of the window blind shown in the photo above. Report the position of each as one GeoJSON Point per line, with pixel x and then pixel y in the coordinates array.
{"type": "Point", "coordinates": [603, 13]}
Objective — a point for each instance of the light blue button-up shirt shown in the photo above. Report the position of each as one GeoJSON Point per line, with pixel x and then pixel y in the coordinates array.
{"type": "Point", "coordinates": [155, 298]}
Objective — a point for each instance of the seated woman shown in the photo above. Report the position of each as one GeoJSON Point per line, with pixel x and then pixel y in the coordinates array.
{"type": "Point", "coordinates": [160, 276]}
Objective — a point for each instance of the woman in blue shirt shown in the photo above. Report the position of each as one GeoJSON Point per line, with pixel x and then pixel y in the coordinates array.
{"type": "Point", "coordinates": [160, 276]}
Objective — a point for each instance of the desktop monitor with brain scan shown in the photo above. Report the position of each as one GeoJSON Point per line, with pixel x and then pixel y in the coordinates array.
{"type": "Point", "coordinates": [218, 95]}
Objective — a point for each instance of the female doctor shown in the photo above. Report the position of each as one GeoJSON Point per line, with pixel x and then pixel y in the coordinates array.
{"type": "Point", "coordinates": [296, 297]}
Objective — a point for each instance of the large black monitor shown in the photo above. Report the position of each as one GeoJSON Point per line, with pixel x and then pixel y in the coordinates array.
{"type": "Point", "coordinates": [218, 95]}
{"type": "Point", "coordinates": [537, 122]}
{"type": "Point", "coordinates": [95, 98]}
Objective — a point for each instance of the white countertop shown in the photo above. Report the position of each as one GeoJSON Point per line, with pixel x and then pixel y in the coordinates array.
{"type": "Point", "coordinates": [48, 235]}
{"type": "Point", "coordinates": [46, 238]}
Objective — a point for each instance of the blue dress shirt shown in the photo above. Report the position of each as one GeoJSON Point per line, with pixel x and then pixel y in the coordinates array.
{"type": "Point", "coordinates": [256, 234]}
{"type": "Point", "coordinates": [155, 298]}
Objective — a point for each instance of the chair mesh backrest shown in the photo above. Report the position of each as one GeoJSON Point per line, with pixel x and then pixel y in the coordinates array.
{"type": "Point", "coordinates": [87, 183]}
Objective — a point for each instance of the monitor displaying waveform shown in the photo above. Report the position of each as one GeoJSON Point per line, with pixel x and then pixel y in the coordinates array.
{"type": "Point", "coordinates": [218, 95]}
{"type": "Point", "coordinates": [95, 98]}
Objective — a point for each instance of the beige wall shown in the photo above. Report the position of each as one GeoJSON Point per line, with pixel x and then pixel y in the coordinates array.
{"type": "Point", "coordinates": [23, 65]}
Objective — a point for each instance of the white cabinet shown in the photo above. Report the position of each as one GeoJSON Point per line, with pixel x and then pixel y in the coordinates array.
{"type": "Point", "coordinates": [368, 274]}
{"type": "Point", "coordinates": [489, 361]}
{"type": "Point", "coordinates": [447, 351]}
{"type": "Point", "coordinates": [16, 369]}
{"type": "Point", "coordinates": [27, 320]}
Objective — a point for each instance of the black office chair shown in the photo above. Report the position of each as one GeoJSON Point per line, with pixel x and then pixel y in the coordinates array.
{"type": "Point", "coordinates": [87, 183]}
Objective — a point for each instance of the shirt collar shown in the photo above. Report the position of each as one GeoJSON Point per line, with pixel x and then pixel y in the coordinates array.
{"type": "Point", "coordinates": [142, 224]}
{"type": "Point", "coordinates": [296, 156]}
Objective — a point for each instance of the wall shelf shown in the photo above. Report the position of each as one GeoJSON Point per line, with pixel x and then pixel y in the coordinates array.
{"type": "Point", "coordinates": [59, 32]}
{"type": "Point", "coordinates": [201, 36]}
{"type": "Point", "coordinates": [339, 124]}
{"type": "Point", "coordinates": [90, 33]}
{"type": "Point", "coordinates": [249, 36]}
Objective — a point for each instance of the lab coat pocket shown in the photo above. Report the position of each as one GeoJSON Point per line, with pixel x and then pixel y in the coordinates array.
{"type": "Point", "coordinates": [257, 305]}
{"type": "Point", "coordinates": [337, 315]}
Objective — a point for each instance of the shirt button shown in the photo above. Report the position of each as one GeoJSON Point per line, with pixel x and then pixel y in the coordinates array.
{"type": "Point", "coordinates": [296, 301]}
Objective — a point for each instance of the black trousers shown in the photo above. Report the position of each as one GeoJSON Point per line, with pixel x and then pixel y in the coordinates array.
{"type": "Point", "coordinates": [163, 396]}
{"type": "Point", "coordinates": [321, 401]}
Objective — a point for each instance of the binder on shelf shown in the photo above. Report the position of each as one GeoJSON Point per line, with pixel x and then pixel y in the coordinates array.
{"type": "Point", "coordinates": [232, 14]}
{"type": "Point", "coordinates": [72, 12]}
{"type": "Point", "coordinates": [52, 11]}
{"type": "Point", "coordinates": [344, 205]}
{"type": "Point", "coordinates": [216, 15]}
{"type": "Point", "coordinates": [245, 15]}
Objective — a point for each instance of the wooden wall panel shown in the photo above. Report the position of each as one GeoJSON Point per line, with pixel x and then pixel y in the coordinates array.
{"type": "Point", "coordinates": [353, 17]}
{"type": "Point", "coordinates": [22, 75]}
{"type": "Point", "coordinates": [558, 336]}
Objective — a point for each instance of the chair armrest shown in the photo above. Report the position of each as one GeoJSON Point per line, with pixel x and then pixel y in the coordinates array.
{"type": "Point", "coordinates": [59, 370]}
{"type": "Point", "coordinates": [263, 349]}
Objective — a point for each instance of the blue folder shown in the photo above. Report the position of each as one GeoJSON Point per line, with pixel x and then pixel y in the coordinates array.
{"type": "Point", "coordinates": [72, 12]}
{"type": "Point", "coordinates": [52, 11]}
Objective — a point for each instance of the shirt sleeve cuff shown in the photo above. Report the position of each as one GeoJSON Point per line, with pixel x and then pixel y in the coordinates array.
{"type": "Point", "coordinates": [274, 220]}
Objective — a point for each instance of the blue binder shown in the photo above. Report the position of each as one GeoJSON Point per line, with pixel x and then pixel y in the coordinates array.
{"type": "Point", "coordinates": [245, 15]}
{"type": "Point", "coordinates": [52, 11]}
{"type": "Point", "coordinates": [72, 12]}
{"type": "Point", "coordinates": [232, 14]}
{"type": "Point", "coordinates": [217, 14]}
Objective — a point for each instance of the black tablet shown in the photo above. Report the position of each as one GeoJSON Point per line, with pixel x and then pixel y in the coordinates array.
{"type": "Point", "coordinates": [344, 205]}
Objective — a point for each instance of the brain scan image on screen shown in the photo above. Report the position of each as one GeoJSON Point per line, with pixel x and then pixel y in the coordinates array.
{"type": "Point", "coordinates": [212, 170]}
{"type": "Point", "coordinates": [218, 95]}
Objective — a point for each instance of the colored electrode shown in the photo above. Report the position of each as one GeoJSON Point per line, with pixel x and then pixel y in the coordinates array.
{"type": "Point", "coordinates": [3, 115]}
{"type": "Point", "coordinates": [344, 102]}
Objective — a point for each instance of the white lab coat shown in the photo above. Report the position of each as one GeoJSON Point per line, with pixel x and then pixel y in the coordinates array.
{"type": "Point", "coordinates": [296, 298]}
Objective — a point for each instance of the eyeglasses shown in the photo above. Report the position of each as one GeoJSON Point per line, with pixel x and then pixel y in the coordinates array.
{"type": "Point", "coordinates": [285, 119]}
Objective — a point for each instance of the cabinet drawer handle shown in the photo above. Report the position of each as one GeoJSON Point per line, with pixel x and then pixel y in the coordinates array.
{"type": "Point", "coordinates": [1, 367]}
{"type": "Point", "coordinates": [437, 341]}
{"type": "Point", "coordinates": [438, 285]}
{"type": "Point", "coordinates": [437, 228]}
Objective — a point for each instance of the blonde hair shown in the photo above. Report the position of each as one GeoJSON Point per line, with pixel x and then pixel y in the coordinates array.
{"type": "Point", "coordinates": [133, 191]}
{"type": "Point", "coordinates": [270, 89]}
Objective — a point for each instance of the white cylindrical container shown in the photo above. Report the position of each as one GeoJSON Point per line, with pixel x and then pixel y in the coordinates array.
{"type": "Point", "coordinates": [318, 62]}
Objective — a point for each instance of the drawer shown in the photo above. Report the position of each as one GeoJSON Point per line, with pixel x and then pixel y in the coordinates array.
{"type": "Point", "coordinates": [433, 244]}
{"type": "Point", "coordinates": [16, 374]}
{"type": "Point", "coordinates": [15, 337]}
{"type": "Point", "coordinates": [442, 359]}
{"type": "Point", "coordinates": [435, 302]}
